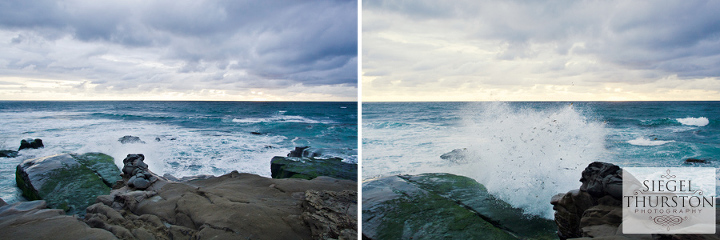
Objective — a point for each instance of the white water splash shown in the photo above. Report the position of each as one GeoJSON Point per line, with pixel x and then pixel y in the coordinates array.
{"type": "Point", "coordinates": [526, 156]}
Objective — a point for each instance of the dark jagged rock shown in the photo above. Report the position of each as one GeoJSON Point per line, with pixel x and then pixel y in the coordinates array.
{"type": "Point", "coordinates": [67, 181]}
{"type": "Point", "coordinates": [130, 139]}
{"type": "Point", "coordinates": [443, 206]}
{"type": "Point", "coordinates": [595, 210]}
{"type": "Point", "coordinates": [32, 220]}
{"type": "Point", "coordinates": [309, 168]}
{"type": "Point", "coordinates": [456, 156]}
{"type": "Point", "coordinates": [696, 160]}
{"type": "Point", "coordinates": [31, 143]}
{"type": "Point", "coordinates": [8, 153]}
{"type": "Point", "coordinates": [600, 179]}
{"type": "Point", "coordinates": [298, 152]}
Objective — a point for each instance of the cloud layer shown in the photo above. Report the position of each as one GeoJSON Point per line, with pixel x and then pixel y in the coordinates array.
{"type": "Point", "coordinates": [541, 50]}
{"type": "Point", "coordinates": [287, 50]}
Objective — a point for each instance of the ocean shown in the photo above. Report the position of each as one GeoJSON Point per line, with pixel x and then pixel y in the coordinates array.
{"type": "Point", "coordinates": [181, 138]}
{"type": "Point", "coordinates": [527, 152]}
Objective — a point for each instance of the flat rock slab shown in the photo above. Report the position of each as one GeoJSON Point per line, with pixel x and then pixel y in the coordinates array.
{"type": "Point", "coordinates": [31, 220]}
{"type": "Point", "coordinates": [441, 206]}
{"type": "Point", "coordinates": [244, 206]}
{"type": "Point", "coordinates": [309, 168]}
{"type": "Point", "coordinates": [70, 182]}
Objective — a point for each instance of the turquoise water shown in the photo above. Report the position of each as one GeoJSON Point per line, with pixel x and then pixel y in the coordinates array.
{"type": "Point", "coordinates": [181, 138]}
{"type": "Point", "coordinates": [526, 152]}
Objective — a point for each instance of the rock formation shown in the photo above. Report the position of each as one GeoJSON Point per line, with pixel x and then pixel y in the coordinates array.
{"type": "Point", "coordinates": [31, 143]}
{"type": "Point", "coordinates": [595, 210]}
{"type": "Point", "coordinates": [136, 173]}
{"type": "Point", "coordinates": [32, 220]}
{"type": "Point", "coordinates": [67, 181]}
{"type": "Point", "coordinates": [309, 168]}
{"type": "Point", "coordinates": [232, 206]}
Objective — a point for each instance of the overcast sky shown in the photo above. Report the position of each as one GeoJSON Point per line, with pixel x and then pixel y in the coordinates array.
{"type": "Point", "coordinates": [179, 50]}
{"type": "Point", "coordinates": [423, 50]}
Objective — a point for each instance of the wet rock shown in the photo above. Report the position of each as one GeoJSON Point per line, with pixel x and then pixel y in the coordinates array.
{"type": "Point", "coordinates": [130, 139]}
{"type": "Point", "coordinates": [298, 152]}
{"type": "Point", "coordinates": [67, 181]}
{"type": "Point", "coordinates": [8, 153]}
{"type": "Point", "coordinates": [31, 143]}
{"type": "Point", "coordinates": [595, 210]}
{"type": "Point", "coordinates": [600, 179]}
{"type": "Point", "coordinates": [456, 156]}
{"type": "Point", "coordinates": [309, 168]}
{"type": "Point", "coordinates": [32, 220]}
{"type": "Point", "coordinates": [696, 160]}
{"type": "Point", "coordinates": [443, 206]}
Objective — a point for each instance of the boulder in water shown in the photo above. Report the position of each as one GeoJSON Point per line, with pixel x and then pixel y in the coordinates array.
{"type": "Point", "coordinates": [8, 153]}
{"type": "Point", "coordinates": [130, 139]}
{"type": "Point", "coordinates": [696, 160]}
{"type": "Point", "coordinates": [67, 181]}
{"type": "Point", "coordinates": [31, 143]}
{"type": "Point", "coordinates": [456, 156]}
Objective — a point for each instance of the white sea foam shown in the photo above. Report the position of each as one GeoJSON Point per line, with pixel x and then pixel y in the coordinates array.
{"type": "Point", "coordinates": [641, 141]}
{"type": "Point", "coordinates": [691, 121]}
{"type": "Point", "coordinates": [526, 156]}
{"type": "Point", "coordinates": [280, 118]}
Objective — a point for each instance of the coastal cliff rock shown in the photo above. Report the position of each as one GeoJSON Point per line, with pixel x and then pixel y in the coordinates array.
{"type": "Point", "coordinates": [31, 143]}
{"type": "Point", "coordinates": [595, 209]}
{"type": "Point", "coordinates": [443, 206]}
{"type": "Point", "coordinates": [231, 206]}
{"type": "Point", "coordinates": [67, 181]}
{"type": "Point", "coordinates": [32, 220]}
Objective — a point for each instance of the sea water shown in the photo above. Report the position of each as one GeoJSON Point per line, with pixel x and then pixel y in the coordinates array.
{"type": "Point", "coordinates": [527, 152]}
{"type": "Point", "coordinates": [180, 138]}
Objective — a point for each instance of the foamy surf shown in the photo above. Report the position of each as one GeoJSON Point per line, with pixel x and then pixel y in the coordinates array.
{"type": "Point", "coordinates": [641, 141]}
{"type": "Point", "coordinates": [691, 121]}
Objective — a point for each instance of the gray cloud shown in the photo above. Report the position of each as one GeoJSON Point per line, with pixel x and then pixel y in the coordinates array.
{"type": "Point", "coordinates": [193, 44]}
{"type": "Point", "coordinates": [539, 42]}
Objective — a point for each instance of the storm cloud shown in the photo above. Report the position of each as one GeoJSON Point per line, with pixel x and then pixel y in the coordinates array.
{"type": "Point", "coordinates": [286, 50]}
{"type": "Point", "coordinates": [541, 50]}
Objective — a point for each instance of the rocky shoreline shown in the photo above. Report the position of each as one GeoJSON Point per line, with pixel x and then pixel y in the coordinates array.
{"type": "Point", "coordinates": [442, 206]}
{"type": "Point", "coordinates": [139, 204]}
